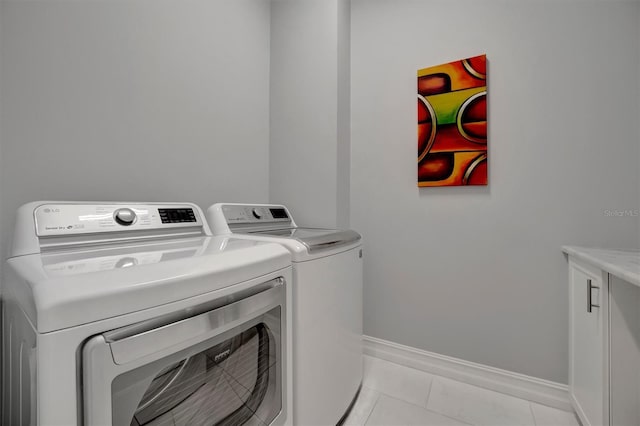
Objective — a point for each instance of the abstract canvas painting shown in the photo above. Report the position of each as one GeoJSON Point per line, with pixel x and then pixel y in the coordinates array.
{"type": "Point", "coordinates": [452, 123]}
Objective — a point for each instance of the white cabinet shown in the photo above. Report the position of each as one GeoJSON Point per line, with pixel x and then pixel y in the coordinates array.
{"type": "Point", "coordinates": [604, 345]}
{"type": "Point", "coordinates": [587, 337]}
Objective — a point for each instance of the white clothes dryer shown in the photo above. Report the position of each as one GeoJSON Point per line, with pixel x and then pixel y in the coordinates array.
{"type": "Point", "coordinates": [327, 305]}
{"type": "Point", "coordinates": [132, 314]}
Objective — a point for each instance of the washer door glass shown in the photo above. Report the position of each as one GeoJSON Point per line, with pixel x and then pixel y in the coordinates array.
{"type": "Point", "coordinates": [234, 382]}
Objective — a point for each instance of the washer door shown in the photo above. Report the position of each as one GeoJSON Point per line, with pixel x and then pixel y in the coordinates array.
{"type": "Point", "coordinates": [230, 375]}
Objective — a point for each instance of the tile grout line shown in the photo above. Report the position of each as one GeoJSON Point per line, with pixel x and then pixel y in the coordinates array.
{"type": "Point", "coordinates": [433, 378]}
{"type": "Point", "coordinates": [533, 416]}
{"type": "Point", "coordinates": [372, 408]}
{"type": "Point", "coordinates": [530, 403]}
{"type": "Point", "coordinates": [424, 408]}
{"type": "Point", "coordinates": [450, 417]}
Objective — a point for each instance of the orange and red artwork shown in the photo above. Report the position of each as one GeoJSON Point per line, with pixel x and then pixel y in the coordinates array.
{"type": "Point", "coordinates": [452, 123]}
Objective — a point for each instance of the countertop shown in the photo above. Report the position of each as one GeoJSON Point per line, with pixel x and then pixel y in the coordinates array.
{"type": "Point", "coordinates": [624, 264]}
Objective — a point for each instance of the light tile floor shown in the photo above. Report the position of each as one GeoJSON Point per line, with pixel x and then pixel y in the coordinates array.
{"type": "Point", "coordinates": [396, 395]}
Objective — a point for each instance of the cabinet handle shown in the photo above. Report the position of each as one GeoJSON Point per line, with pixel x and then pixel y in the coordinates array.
{"type": "Point", "coordinates": [589, 303]}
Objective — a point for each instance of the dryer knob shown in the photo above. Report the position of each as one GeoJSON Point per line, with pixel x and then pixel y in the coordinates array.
{"type": "Point", "coordinates": [126, 262]}
{"type": "Point", "coordinates": [124, 217]}
{"type": "Point", "coordinates": [256, 213]}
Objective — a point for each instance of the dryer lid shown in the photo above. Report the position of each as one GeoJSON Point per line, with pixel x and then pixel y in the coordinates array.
{"type": "Point", "coordinates": [315, 239]}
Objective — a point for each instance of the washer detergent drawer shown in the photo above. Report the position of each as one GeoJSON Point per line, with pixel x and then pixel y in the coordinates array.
{"type": "Point", "coordinates": [223, 366]}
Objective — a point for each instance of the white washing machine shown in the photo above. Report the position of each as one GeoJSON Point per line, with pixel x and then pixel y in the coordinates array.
{"type": "Point", "coordinates": [132, 314]}
{"type": "Point", "coordinates": [327, 305]}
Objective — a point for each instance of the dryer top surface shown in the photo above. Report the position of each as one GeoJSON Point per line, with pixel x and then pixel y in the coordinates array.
{"type": "Point", "coordinates": [67, 288]}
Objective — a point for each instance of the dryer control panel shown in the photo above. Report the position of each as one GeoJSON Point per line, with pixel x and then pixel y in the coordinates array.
{"type": "Point", "coordinates": [231, 218]}
{"type": "Point", "coordinates": [236, 214]}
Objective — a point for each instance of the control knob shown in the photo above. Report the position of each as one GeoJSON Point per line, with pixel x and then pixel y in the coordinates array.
{"type": "Point", "coordinates": [256, 213]}
{"type": "Point", "coordinates": [126, 262]}
{"type": "Point", "coordinates": [124, 217]}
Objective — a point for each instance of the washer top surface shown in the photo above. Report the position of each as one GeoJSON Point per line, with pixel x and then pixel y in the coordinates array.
{"type": "Point", "coordinates": [273, 222]}
{"type": "Point", "coordinates": [79, 279]}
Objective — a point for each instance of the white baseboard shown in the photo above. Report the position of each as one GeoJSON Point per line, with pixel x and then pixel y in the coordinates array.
{"type": "Point", "coordinates": [519, 385]}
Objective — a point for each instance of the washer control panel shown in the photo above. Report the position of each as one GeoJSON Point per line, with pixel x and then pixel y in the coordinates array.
{"type": "Point", "coordinates": [73, 219]}
{"type": "Point", "coordinates": [248, 214]}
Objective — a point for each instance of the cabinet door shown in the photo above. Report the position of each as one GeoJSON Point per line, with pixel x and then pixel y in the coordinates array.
{"type": "Point", "coordinates": [624, 338]}
{"type": "Point", "coordinates": [587, 334]}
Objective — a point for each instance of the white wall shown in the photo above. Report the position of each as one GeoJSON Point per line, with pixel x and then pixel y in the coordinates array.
{"type": "Point", "coordinates": [1, 215]}
{"type": "Point", "coordinates": [134, 100]}
{"type": "Point", "coordinates": [309, 100]}
{"type": "Point", "coordinates": [343, 165]}
{"type": "Point", "coordinates": [477, 272]}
